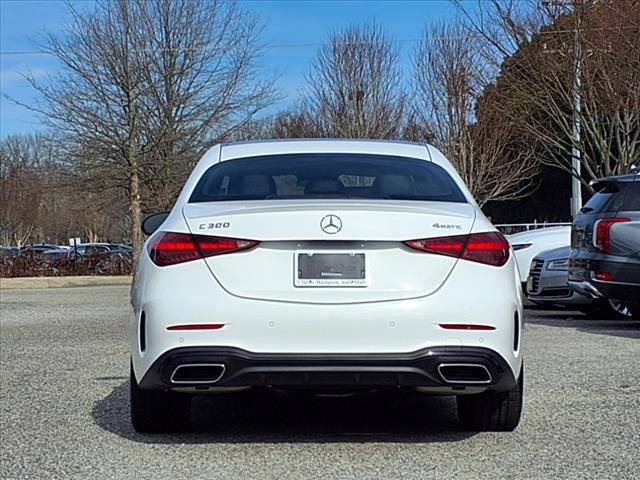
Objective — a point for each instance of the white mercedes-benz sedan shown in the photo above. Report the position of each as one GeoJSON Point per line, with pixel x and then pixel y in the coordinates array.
{"type": "Point", "coordinates": [325, 265]}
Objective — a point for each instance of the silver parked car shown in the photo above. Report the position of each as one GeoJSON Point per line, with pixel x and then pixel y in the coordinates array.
{"type": "Point", "coordinates": [548, 281]}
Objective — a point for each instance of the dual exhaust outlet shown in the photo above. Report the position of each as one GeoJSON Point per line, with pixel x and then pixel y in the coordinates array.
{"type": "Point", "coordinates": [197, 373]}
{"type": "Point", "coordinates": [465, 373]}
{"type": "Point", "coordinates": [210, 373]}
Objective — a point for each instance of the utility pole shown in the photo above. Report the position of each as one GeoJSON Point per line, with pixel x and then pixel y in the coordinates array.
{"type": "Point", "coordinates": [576, 154]}
{"type": "Point", "coordinates": [576, 107]}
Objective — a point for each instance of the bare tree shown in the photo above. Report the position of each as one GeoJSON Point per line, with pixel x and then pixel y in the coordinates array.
{"type": "Point", "coordinates": [590, 76]}
{"type": "Point", "coordinates": [94, 102]}
{"type": "Point", "coordinates": [39, 202]}
{"type": "Point", "coordinates": [494, 167]}
{"type": "Point", "coordinates": [571, 80]}
{"type": "Point", "coordinates": [502, 27]}
{"type": "Point", "coordinates": [294, 123]}
{"type": "Point", "coordinates": [21, 187]}
{"type": "Point", "coordinates": [143, 87]}
{"type": "Point", "coordinates": [355, 87]}
{"type": "Point", "coordinates": [448, 76]}
{"type": "Point", "coordinates": [449, 73]}
{"type": "Point", "coordinates": [203, 83]}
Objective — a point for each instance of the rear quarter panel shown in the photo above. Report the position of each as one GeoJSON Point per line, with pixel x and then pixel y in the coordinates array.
{"type": "Point", "coordinates": [625, 239]}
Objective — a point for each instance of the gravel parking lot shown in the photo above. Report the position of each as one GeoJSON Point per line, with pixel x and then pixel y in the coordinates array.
{"type": "Point", "coordinates": [64, 412]}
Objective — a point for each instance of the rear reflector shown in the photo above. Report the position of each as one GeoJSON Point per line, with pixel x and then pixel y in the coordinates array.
{"type": "Point", "coordinates": [197, 326]}
{"type": "Point", "coordinates": [490, 248]}
{"type": "Point", "coordinates": [602, 235]}
{"type": "Point", "coordinates": [603, 276]}
{"type": "Point", "coordinates": [170, 248]}
{"type": "Point", "coordinates": [465, 326]}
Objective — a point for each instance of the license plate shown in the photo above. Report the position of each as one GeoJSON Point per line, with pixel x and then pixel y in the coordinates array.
{"type": "Point", "coordinates": [316, 269]}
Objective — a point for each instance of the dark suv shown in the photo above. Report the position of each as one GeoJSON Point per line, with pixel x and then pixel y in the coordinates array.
{"type": "Point", "coordinates": [605, 241]}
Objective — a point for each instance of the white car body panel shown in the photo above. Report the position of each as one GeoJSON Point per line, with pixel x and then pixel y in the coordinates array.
{"type": "Point", "coordinates": [273, 326]}
{"type": "Point", "coordinates": [277, 222]}
{"type": "Point", "coordinates": [541, 240]}
{"type": "Point", "coordinates": [252, 292]}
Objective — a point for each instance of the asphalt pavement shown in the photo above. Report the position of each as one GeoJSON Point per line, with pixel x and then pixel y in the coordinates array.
{"type": "Point", "coordinates": [64, 409]}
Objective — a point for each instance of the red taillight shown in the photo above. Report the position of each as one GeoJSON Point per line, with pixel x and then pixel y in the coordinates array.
{"type": "Point", "coordinates": [602, 234]}
{"type": "Point", "coordinates": [490, 248]}
{"type": "Point", "coordinates": [169, 248]}
{"type": "Point", "coordinates": [450, 246]}
{"type": "Point", "coordinates": [210, 246]}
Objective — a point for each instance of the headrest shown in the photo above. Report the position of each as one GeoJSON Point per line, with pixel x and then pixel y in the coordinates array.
{"type": "Point", "coordinates": [257, 184]}
{"type": "Point", "coordinates": [393, 185]}
{"type": "Point", "coordinates": [324, 185]}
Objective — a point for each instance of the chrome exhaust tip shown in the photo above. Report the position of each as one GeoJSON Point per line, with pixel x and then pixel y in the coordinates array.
{"type": "Point", "coordinates": [465, 373]}
{"type": "Point", "coordinates": [197, 373]}
{"type": "Point", "coordinates": [592, 291]}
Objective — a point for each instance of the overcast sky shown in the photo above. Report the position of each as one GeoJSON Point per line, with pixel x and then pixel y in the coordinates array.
{"type": "Point", "coordinates": [293, 31]}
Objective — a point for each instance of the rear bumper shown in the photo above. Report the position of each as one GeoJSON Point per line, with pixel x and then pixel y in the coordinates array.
{"type": "Point", "coordinates": [572, 297]}
{"type": "Point", "coordinates": [585, 288]}
{"type": "Point", "coordinates": [552, 288]}
{"type": "Point", "coordinates": [584, 265]}
{"type": "Point", "coordinates": [614, 290]}
{"type": "Point", "coordinates": [618, 290]}
{"type": "Point", "coordinates": [421, 368]}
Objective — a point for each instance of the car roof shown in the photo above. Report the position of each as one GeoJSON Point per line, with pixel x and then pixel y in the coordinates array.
{"type": "Point", "coordinates": [231, 151]}
{"type": "Point", "coordinates": [627, 177]}
{"type": "Point", "coordinates": [320, 140]}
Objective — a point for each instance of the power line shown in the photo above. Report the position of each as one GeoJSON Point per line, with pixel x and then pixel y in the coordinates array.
{"type": "Point", "coordinates": [267, 47]}
{"type": "Point", "coordinates": [363, 42]}
{"type": "Point", "coordinates": [26, 52]}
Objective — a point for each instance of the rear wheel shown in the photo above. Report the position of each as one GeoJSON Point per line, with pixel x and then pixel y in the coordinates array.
{"type": "Point", "coordinates": [620, 309]}
{"type": "Point", "coordinates": [605, 309]}
{"type": "Point", "coordinates": [157, 411]}
{"type": "Point", "coordinates": [492, 411]}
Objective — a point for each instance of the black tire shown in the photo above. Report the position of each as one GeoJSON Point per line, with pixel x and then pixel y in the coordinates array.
{"type": "Point", "coordinates": [157, 411]}
{"type": "Point", "coordinates": [491, 411]}
{"type": "Point", "coordinates": [620, 309]}
{"type": "Point", "coordinates": [604, 309]}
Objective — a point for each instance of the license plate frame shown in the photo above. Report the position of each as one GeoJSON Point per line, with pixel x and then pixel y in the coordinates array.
{"type": "Point", "coordinates": [342, 269]}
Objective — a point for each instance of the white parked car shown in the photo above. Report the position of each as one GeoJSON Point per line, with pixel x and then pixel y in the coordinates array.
{"type": "Point", "coordinates": [325, 263]}
{"type": "Point", "coordinates": [531, 243]}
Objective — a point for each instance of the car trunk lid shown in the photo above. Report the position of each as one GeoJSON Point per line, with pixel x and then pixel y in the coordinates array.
{"type": "Point", "coordinates": [288, 229]}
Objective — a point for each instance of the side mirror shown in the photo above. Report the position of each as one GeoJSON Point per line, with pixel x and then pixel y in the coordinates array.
{"type": "Point", "coordinates": [151, 223]}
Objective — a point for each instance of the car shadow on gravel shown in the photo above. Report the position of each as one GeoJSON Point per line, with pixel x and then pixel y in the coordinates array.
{"type": "Point", "coordinates": [565, 319]}
{"type": "Point", "coordinates": [271, 417]}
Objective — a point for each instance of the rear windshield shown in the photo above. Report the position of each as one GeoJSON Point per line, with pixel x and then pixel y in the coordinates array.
{"type": "Point", "coordinates": [611, 197]}
{"type": "Point", "coordinates": [599, 202]}
{"type": "Point", "coordinates": [631, 200]}
{"type": "Point", "coordinates": [326, 175]}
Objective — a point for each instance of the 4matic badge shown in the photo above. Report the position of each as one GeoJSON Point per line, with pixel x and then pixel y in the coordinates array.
{"type": "Point", "coordinates": [447, 226]}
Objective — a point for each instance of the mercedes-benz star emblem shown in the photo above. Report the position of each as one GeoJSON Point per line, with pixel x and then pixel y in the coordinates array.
{"type": "Point", "coordinates": [331, 224]}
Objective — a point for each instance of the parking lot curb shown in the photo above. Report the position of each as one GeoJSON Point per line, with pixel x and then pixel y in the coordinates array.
{"type": "Point", "coordinates": [62, 282]}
